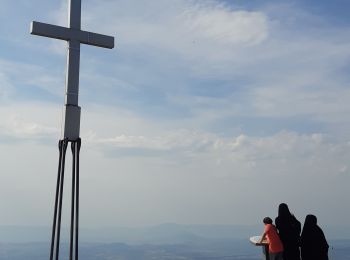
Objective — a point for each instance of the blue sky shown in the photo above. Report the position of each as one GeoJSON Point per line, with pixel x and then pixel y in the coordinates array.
{"type": "Point", "coordinates": [205, 112]}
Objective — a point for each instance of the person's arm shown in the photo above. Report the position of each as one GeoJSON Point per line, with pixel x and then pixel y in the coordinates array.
{"type": "Point", "coordinates": [262, 238]}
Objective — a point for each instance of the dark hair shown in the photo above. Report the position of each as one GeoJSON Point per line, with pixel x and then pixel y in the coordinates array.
{"type": "Point", "coordinates": [267, 220]}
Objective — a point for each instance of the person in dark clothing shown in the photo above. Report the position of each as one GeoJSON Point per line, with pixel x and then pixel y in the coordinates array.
{"type": "Point", "coordinates": [313, 242]}
{"type": "Point", "coordinates": [289, 229]}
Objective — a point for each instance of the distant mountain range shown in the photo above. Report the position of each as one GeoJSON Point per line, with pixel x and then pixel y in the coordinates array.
{"type": "Point", "coordinates": [166, 233]}
{"type": "Point", "coordinates": [97, 251]}
{"type": "Point", "coordinates": [162, 242]}
{"type": "Point", "coordinates": [216, 250]}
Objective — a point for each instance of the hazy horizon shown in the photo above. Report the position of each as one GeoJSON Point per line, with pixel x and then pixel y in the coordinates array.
{"type": "Point", "coordinates": [166, 233]}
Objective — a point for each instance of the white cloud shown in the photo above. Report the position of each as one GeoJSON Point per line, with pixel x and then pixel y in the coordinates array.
{"type": "Point", "coordinates": [122, 131]}
{"type": "Point", "coordinates": [283, 75]}
{"type": "Point", "coordinates": [269, 68]}
{"type": "Point", "coordinates": [20, 128]}
{"type": "Point", "coordinates": [223, 169]}
{"type": "Point", "coordinates": [189, 28]}
{"type": "Point", "coordinates": [29, 121]}
{"type": "Point", "coordinates": [189, 160]}
{"type": "Point", "coordinates": [6, 88]}
{"type": "Point", "coordinates": [221, 25]}
{"type": "Point", "coordinates": [20, 75]}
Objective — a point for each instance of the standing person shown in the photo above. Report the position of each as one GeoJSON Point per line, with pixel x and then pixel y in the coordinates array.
{"type": "Point", "coordinates": [275, 244]}
{"type": "Point", "coordinates": [313, 242]}
{"type": "Point", "coordinates": [289, 229]}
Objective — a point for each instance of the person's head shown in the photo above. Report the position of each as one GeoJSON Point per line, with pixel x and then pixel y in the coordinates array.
{"type": "Point", "coordinates": [310, 220]}
{"type": "Point", "coordinates": [310, 225]}
{"type": "Point", "coordinates": [283, 210]}
{"type": "Point", "coordinates": [267, 220]}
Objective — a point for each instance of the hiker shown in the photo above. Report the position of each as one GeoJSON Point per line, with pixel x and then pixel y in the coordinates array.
{"type": "Point", "coordinates": [289, 229]}
{"type": "Point", "coordinates": [313, 242]}
{"type": "Point", "coordinates": [275, 244]}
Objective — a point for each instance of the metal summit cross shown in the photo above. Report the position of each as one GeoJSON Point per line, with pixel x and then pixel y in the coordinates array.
{"type": "Point", "coordinates": [74, 35]}
{"type": "Point", "coordinates": [71, 116]}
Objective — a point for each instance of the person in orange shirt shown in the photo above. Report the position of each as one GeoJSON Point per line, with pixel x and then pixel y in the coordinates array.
{"type": "Point", "coordinates": [275, 244]}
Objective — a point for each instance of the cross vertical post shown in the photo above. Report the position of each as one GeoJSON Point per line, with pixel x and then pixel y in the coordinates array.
{"type": "Point", "coordinates": [71, 115]}
{"type": "Point", "coordinates": [73, 55]}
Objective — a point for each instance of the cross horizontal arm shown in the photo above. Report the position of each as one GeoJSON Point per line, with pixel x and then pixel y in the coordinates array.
{"type": "Point", "coordinates": [96, 39]}
{"type": "Point", "coordinates": [63, 33]}
{"type": "Point", "coordinates": [51, 31]}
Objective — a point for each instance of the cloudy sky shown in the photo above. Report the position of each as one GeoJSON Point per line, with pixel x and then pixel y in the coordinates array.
{"type": "Point", "coordinates": [206, 112]}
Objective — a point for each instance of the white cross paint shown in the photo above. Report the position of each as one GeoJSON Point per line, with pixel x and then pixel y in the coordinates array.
{"type": "Point", "coordinates": [74, 36]}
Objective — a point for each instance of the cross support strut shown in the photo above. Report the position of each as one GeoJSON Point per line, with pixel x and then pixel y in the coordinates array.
{"type": "Point", "coordinates": [74, 224]}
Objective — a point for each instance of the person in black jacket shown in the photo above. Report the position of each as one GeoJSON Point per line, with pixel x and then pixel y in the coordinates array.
{"type": "Point", "coordinates": [313, 242]}
{"type": "Point", "coordinates": [289, 229]}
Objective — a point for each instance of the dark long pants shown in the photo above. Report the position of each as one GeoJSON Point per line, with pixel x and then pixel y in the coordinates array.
{"type": "Point", "coordinates": [276, 256]}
